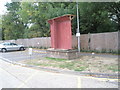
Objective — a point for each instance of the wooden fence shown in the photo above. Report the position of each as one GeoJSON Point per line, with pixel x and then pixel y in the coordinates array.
{"type": "Point", "coordinates": [98, 41]}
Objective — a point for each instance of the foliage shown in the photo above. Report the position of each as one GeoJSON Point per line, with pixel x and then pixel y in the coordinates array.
{"type": "Point", "coordinates": [56, 59]}
{"type": "Point", "coordinates": [29, 19]}
{"type": "Point", "coordinates": [95, 18]}
{"type": "Point", "coordinates": [114, 12]}
{"type": "Point", "coordinates": [13, 28]}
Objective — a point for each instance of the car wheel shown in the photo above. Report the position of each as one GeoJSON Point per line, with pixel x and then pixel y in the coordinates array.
{"type": "Point", "coordinates": [22, 48]}
{"type": "Point", "coordinates": [3, 50]}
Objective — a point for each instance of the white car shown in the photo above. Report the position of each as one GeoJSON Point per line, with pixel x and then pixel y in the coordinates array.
{"type": "Point", "coordinates": [10, 46]}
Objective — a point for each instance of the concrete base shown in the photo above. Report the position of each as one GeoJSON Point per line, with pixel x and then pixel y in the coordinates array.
{"type": "Point", "coordinates": [64, 54]}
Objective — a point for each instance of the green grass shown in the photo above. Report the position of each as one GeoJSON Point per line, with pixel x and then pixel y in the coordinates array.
{"type": "Point", "coordinates": [67, 65]}
{"type": "Point", "coordinates": [60, 63]}
{"type": "Point", "coordinates": [82, 68]}
{"type": "Point", "coordinates": [113, 68]}
{"type": "Point", "coordinates": [76, 65]}
{"type": "Point", "coordinates": [55, 59]}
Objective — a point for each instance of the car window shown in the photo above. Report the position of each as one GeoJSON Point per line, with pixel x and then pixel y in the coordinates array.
{"type": "Point", "coordinates": [13, 44]}
{"type": "Point", "coordinates": [6, 44]}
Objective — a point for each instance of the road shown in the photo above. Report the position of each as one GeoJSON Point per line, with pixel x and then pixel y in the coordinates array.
{"type": "Point", "coordinates": [22, 55]}
{"type": "Point", "coordinates": [15, 76]}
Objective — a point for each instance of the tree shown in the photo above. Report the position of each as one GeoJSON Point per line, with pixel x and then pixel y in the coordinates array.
{"type": "Point", "coordinates": [36, 15]}
{"type": "Point", "coordinates": [12, 26]}
{"type": "Point", "coordinates": [29, 19]}
{"type": "Point", "coordinates": [114, 12]}
{"type": "Point", "coordinates": [94, 18]}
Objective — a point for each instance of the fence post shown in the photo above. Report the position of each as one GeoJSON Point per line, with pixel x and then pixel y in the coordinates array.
{"type": "Point", "coordinates": [89, 40]}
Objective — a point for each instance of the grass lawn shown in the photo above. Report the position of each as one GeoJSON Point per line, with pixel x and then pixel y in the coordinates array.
{"type": "Point", "coordinates": [84, 64]}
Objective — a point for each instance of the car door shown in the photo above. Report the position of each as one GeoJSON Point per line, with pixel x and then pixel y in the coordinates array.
{"type": "Point", "coordinates": [8, 46]}
{"type": "Point", "coordinates": [14, 46]}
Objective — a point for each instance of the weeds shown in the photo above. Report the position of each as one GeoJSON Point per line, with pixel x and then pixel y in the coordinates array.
{"type": "Point", "coordinates": [114, 68]}
{"type": "Point", "coordinates": [56, 59]}
{"type": "Point", "coordinates": [85, 63]}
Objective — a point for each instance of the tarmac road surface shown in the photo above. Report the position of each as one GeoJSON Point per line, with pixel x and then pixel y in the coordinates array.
{"type": "Point", "coordinates": [24, 55]}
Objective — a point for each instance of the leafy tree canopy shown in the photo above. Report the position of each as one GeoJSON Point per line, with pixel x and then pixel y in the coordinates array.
{"type": "Point", "coordinates": [29, 19]}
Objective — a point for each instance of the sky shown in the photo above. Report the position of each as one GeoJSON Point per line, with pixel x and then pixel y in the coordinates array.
{"type": "Point", "coordinates": [2, 7]}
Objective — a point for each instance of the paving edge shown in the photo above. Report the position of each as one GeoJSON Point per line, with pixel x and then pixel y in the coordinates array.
{"type": "Point", "coordinates": [99, 75]}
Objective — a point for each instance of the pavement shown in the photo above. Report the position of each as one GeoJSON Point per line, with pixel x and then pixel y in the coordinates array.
{"type": "Point", "coordinates": [16, 76]}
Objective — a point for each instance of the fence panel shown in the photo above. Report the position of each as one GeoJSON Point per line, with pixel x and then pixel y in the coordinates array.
{"type": "Point", "coordinates": [99, 41]}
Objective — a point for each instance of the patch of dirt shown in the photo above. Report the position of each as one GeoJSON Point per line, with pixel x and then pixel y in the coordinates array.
{"type": "Point", "coordinates": [100, 64]}
{"type": "Point", "coordinates": [85, 64]}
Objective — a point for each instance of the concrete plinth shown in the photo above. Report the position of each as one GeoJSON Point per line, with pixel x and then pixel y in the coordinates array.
{"type": "Point", "coordinates": [64, 54]}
